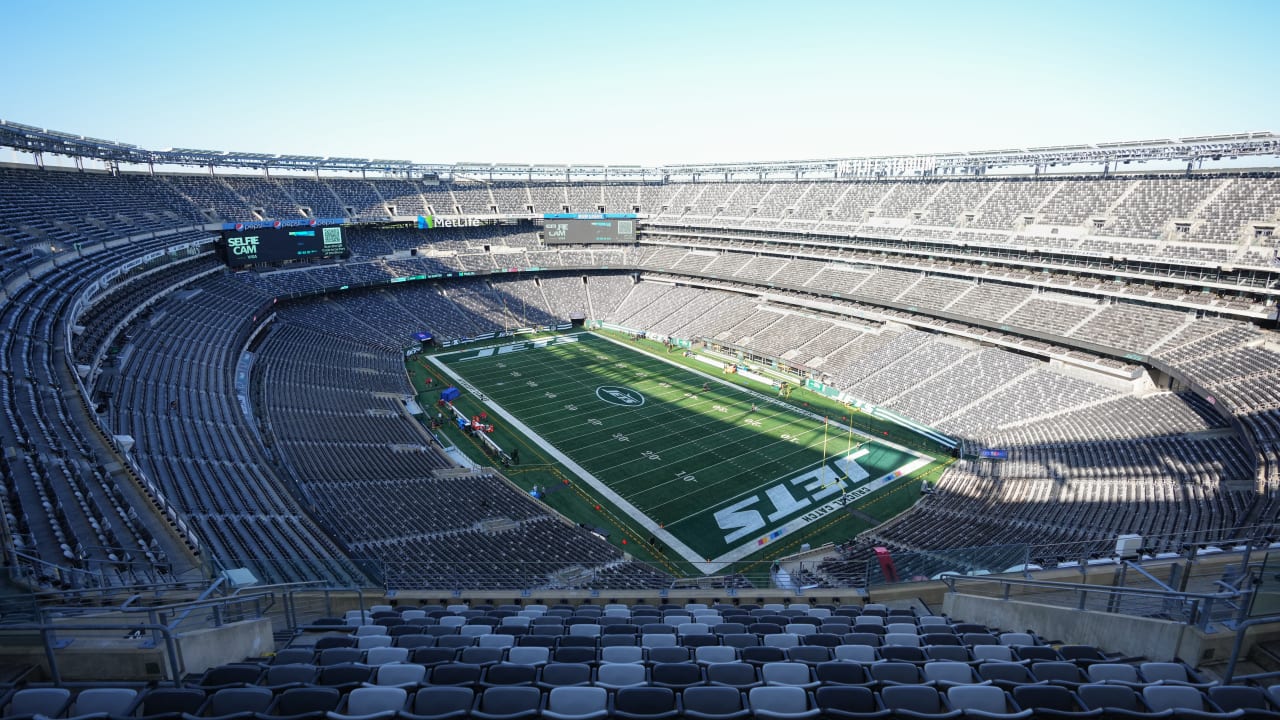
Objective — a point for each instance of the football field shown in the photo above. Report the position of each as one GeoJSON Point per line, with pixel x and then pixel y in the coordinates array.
{"type": "Point", "coordinates": [713, 470]}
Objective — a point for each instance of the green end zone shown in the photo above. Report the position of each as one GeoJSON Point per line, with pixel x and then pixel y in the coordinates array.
{"type": "Point", "coordinates": [713, 470]}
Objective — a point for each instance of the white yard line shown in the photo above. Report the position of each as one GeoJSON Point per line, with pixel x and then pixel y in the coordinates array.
{"type": "Point", "coordinates": [740, 552]}
{"type": "Point", "coordinates": [784, 420]}
{"type": "Point", "coordinates": [669, 540]}
{"type": "Point", "coordinates": [767, 398]}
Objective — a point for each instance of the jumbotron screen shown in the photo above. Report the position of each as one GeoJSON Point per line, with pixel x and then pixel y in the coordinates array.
{"type": "Point", "coordinates": [586, 232]}
{"type": "Point", "coordinates": [272, 244]}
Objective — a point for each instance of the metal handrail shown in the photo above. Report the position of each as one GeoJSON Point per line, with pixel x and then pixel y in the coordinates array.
{"type": "Point", "coordinates": [258, 592]}
{"type": "Point", "coordinates": [163, 621]}
{"type": "Point", "coordinates": [171, 615]}
{"type": "Point", "coordinates": [47, 631]}
{"type": "Point", "coordinates": [951, 580]}
{"type": "Point", "coordinates": [69, 601]}
{"type": "Point", "coordinates": [1131, 565]}
{"type": "Point", "coordinates": [291, 606]}
{"type": "Point", "coordinates": [1198, 605]}
{"type": "Point", "coordinates": [291, 586]}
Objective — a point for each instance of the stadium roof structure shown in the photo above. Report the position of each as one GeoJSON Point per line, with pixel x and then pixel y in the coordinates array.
{"type": "Point", "coordinates": [38, 141]}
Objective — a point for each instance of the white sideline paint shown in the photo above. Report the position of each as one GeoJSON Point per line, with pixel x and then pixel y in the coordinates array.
{"type": "Point", "coordinates": [669, 540]}
{"type": "Point", "coordinates": [768, 398]}
{"type": "Point", "coordinates": [733, 555]}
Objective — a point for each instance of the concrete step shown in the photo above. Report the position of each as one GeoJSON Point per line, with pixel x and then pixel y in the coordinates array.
{"type": "Point", "coordinates": [1263, 658]}
{"type": "Point", "coordinates": [1267, 656]}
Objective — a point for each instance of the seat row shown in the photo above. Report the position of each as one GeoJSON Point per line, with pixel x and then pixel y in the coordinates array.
{"type": "Point", "coordinates": [483, 636]}
{"type": "Point", "coordinates": [647, 703]}
{"type": "Point", "coordinates": [638, 610]}
{"type": "Point", "coordinates": [532, 654]}
{"type": "Point", "coordinates": [713, 625]}
{"type": "Point", "coordinates": [811, 673]}
{"type": "Point", "coordinates": [741, 646]}
{"type": "Point", "coordinates": [431, 654]}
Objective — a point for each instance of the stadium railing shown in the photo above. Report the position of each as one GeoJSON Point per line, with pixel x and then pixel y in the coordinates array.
{"type": "Point", "coordinates": [1083, 556]}
{"type": "Point", "coordinates": [1228, 605]}
{"type": "Point", "coordinates": [159, 616]}
{"type": "Point", "coordinates": [1185, 571]}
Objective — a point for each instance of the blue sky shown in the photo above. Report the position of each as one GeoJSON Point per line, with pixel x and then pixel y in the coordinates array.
{"type": "Point", "coordinates": [649, 82]}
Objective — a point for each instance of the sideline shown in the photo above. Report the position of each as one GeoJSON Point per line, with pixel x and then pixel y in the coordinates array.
{"type": "Point", "coordinates": [769, 399]}
{"type": "Point", "coordinates": [707, 566]}
{"type": "Point", "coordinates": [669, 540]}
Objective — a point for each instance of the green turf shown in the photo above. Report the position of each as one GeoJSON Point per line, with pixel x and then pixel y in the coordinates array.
{"type": "Point", "coordinates": [576, 501]}
{"type": "Point", "coordinates": [700, 468]}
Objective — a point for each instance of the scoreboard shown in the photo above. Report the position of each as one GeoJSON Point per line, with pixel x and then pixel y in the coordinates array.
{"type": "Point", "coordinates": [586, 232]}
{"type": "Point", "coordinates": [247, 246]}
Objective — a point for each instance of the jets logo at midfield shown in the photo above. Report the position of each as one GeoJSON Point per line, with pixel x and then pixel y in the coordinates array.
{"type": "Point", "coordinates": [614, 395]}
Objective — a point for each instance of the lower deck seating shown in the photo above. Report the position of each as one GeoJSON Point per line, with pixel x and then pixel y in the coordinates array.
{"type": "Point", "coordinates": [644, 661]}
